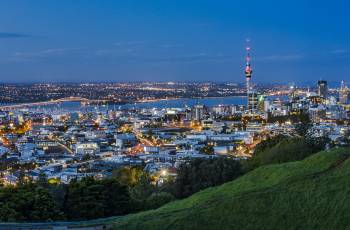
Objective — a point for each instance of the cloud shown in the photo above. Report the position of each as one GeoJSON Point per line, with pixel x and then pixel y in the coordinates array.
{"type": "Point", "coordinates": [201, 24]}
{"type": "Point", "coordinates": [129, 43]}
{"type": "Point", "coordinates": [48, 53]}
{"type": "Point", "coordinates": [136, 50]}
{"type": "Point", "coordinates": [339, 51]}
{"type": "Point", "coordinates": [113, 52]}
{"type": "Point", "coordinates": [125, 52]}
{"type": "Point", "coordinates": [168, 46]}
{"type": "Point", "coordinates": [145, 44]}
{"type": "Point", "coordinates": [13, 35]}
{"type": "Point", "coordinates": [134, 55]}
{"type": "Point", "coordinates": [287, 57]}
{"type": "Point", "coordinates": [189, 58]}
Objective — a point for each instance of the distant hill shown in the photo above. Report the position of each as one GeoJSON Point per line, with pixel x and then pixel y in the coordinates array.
{"type": "Point", "coordinates": [309, 194]}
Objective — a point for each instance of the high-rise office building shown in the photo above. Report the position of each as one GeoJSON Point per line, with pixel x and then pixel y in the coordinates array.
{"type": "Point", "coordinates": [252, 100]}
{"type": "Point", "coordinates": [198, 112]}
{"type": "Point", "coordinates": [322, 89]}
{"type": "Point", "coordinates": [343, 93]}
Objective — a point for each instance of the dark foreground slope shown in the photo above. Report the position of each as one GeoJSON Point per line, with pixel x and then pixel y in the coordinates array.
{"type": "Point", "coordinates": [309, 194]}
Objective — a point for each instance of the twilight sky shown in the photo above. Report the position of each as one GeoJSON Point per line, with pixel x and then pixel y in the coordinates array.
{"type": "Point", "coordinates": [168, 40]}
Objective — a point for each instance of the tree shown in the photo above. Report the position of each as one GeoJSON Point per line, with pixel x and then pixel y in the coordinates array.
{"type": "Point", "coordinates": [86, 157]}
{"type": "Point", "coordinates": [28, 202]}
{"type": "Point", "coordinates": [149, 133]}
{"type": "Point", "coordinates": [42, 180]}
{"type": "Point", "coordinates": [127, 175]}
{"type": "Point", "coordinates": [139, 184]}
{"type": "Point", "coordinates": [143, 188]}
{"type": "Point", "coordinates": [207, 150]}
{"type": "Point", "coordinates": [318, 143]}
{"type": "Point", "coordinates": [286, 150]}
{"type": "Point", "coordinates": [7, 213]}
{"type": "Point", "coordinates": [304, 125]}
{"type": "Point", "coordinates": [22, 178]}
{"type": "Point", "coordinates": [90, 199]}
{"type": "Point", "coordinates": [268, 143]}
{"type": "Point", "coordinates": [158, 199]}
{"type": "Point", "coordinates": [198, 174]}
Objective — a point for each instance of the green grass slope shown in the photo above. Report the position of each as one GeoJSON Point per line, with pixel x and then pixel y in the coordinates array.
{"type": "Point", "coordinates": [309, 194]}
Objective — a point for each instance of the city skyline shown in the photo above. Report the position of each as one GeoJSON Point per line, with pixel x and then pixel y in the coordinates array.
{"type": "Point", "coordinates": [112, 41]}
{"type": "Point", "coordinates": [174, 114]}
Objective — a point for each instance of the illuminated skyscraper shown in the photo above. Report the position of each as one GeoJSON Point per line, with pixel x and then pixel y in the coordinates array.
{"type": "Point", "coordinates": [322, 89]}
{"type": "Point", "coordinates": [343, 93]}
{"type": "Point", "coordinates": [198, 112]}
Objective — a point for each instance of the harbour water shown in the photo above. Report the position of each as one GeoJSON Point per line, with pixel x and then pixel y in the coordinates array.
{"type": "Point", "coordinates": [168, 103]}
{"type": "Point", "coordinates": [180, 103]}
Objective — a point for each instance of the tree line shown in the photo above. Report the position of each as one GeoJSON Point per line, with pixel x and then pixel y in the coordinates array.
{"type": "Point", "coordinates": [129, 190]}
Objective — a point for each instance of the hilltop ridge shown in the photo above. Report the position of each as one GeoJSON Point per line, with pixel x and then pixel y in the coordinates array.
{"type": "Point", "coordinates": [308, 194]}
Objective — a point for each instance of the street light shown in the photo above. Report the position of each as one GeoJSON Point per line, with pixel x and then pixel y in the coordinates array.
{"type": "Point", "coordinates": [164, 172]}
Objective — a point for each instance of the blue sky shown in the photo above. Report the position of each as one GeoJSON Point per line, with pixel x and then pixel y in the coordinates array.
{"type": "Point", "coordinates": [182, 40]}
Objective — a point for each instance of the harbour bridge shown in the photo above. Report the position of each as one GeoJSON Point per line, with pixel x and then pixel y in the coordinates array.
{"type": "Point", "coordinates": [50, 102]}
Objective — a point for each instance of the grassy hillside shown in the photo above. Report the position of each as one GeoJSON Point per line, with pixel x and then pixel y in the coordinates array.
{"type": "Point", "coordinates": [309, 194]}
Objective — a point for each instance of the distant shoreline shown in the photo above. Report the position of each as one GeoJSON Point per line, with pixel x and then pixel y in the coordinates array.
{"type": "Point", "coordinates": [178, 98]}
{"type": "Point", "coordinates": [26, 104]}
{"type": "Point", "coordinates": [124, 103]}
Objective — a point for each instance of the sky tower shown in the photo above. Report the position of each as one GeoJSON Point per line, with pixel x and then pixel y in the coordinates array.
{"type": "Point", "coordinates": [252, 100]}
{"type": "Point", "coordinates": [248, 68]}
